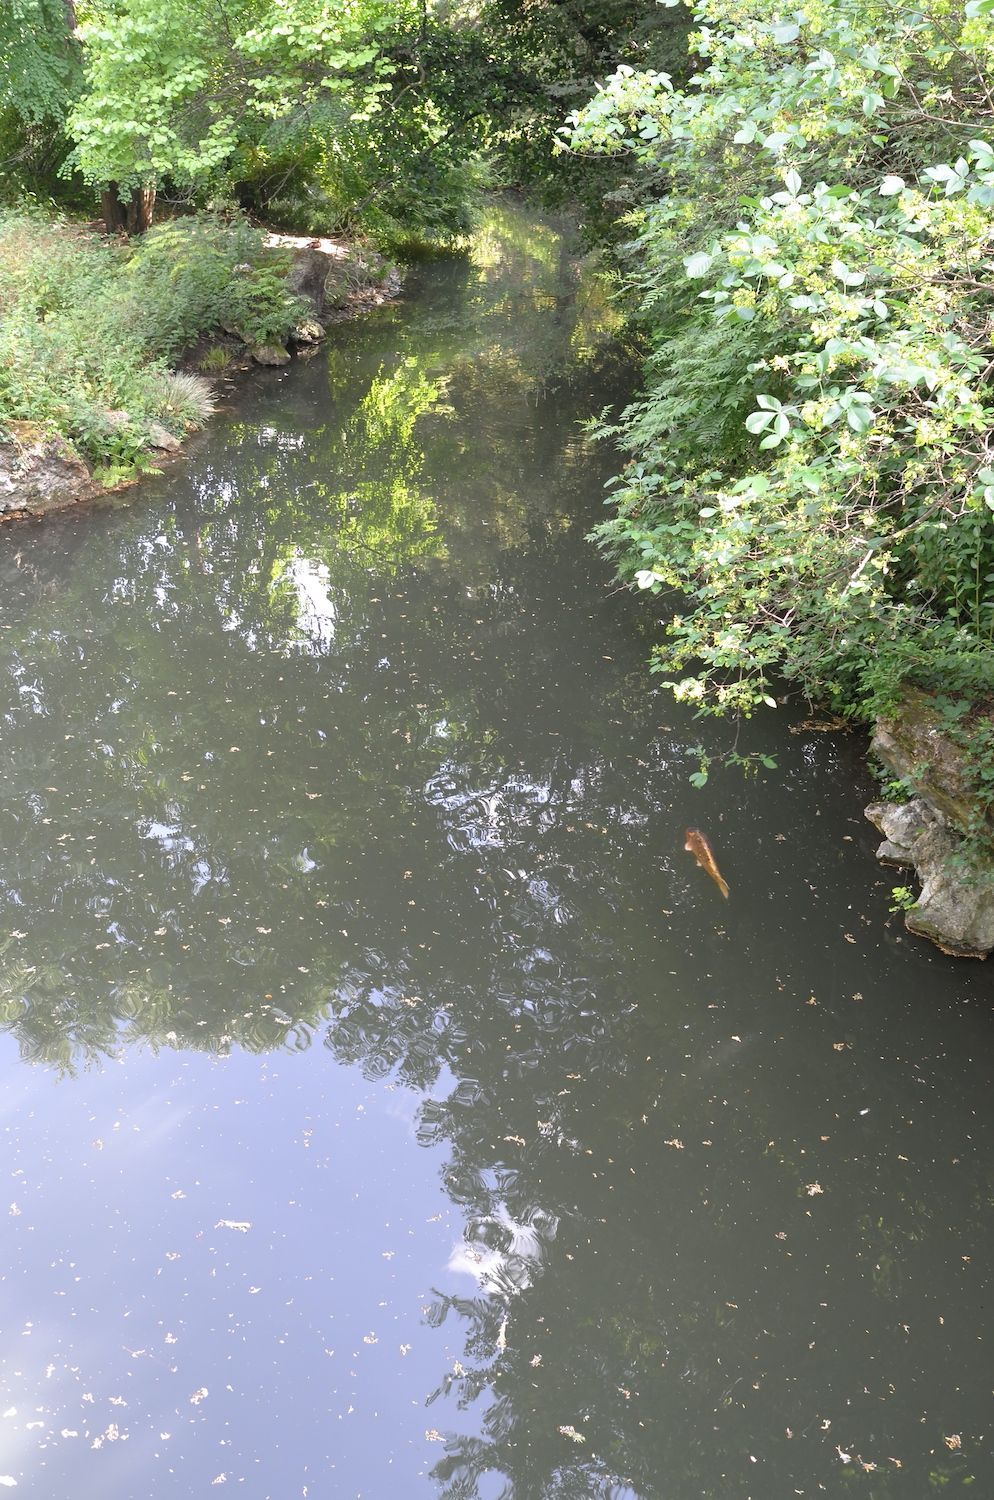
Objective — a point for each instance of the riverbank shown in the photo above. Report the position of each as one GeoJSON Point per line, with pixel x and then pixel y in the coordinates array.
{"type": "Point", "coordinates": [113, 351]}
{"type": "Point", "coordinates": [939, 750]}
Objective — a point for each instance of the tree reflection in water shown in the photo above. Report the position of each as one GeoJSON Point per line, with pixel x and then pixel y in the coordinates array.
{"type": "Point", "coordinates": [222, 699]}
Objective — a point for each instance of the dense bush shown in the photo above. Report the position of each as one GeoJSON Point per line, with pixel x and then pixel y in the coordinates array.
{"type": "Point", "coordinates": [316, 173]}
{"type": "Point", "coordinates": [810, 475]}
{"type": "Point", "coordinates": [88, 326]}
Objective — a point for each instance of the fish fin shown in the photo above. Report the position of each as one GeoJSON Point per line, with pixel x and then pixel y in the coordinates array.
{"type": "Point", "coordinates": [722, 886]}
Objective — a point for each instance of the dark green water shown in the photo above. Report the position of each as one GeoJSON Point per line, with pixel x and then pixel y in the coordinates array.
{"type": "Point", "coordinates": [390, 1107]}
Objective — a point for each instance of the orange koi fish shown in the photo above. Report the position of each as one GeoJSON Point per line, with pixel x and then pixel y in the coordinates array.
{"type": "Point", "coordinates": [697, 845]}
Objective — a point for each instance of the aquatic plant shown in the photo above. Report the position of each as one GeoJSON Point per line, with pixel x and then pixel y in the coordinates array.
{"type": "Point", "coordinates": [215, 361]}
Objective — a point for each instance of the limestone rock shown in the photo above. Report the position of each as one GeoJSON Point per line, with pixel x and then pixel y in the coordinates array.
{"type": "Point", "coordinates": [270, 354]}
{"type": "Point", "coordinates": [915, 745]}
{"type": "Point", "coordinates": [158, 437]}
{"type": "Point", "coordinates": [307, 277]}
{"type": "Point", "coordinates": [956, 907]}
{"type": "Point", "coordinates": [308, 331]}
{"type": "Point", "coordinates": [39, 471]}
{"type": "Point", "coordinates": [901, 823]}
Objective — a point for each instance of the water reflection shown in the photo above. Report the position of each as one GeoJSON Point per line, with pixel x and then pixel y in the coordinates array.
{"type": "Point", "coordinates": [266, 696]}
{"type": "Point", "coordinates": [334, 746]}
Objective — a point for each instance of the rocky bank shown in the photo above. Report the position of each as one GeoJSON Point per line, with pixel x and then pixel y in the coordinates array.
{"type": "Point", "coordinates": [955, 909]}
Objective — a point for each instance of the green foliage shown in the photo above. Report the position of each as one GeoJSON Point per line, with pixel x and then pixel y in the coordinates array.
{"type": "Point", "coordinates": [40, 75]}
{"type": "Point", "coordinates": [40, 62]}
{"type": "Point", "coordinates": [371, 114]}
{"type": "Point", "coordinates": [319, 172]}
{"type": "Point", "coordinates": [555, 53]}
{"type": "Point", "coordinates": [217, 72]}
{"type": "Point", "coordinates": [904, 899]}
{"type": "Point", "coordinates": [970, 727]}
{"type": "Point", "coordinates": [188, 399]}
{"type": "Point", "coordinates": [892, 788]}
{"type": "Point", "coordinates": [385, 116]}
{"type": "Point", "coordinates": [87, 325]}
{"type": "Point", "coordinates": [747, 765]}
{"type": "Point", "coordinates": [329, 111]}
{"type": "Point", "coordinates": [216, 360]}
{"type": "Point", "coordinates": [809, 476]}
{"type": "Point", "coordinates": [366, 116]}
{"type": "Point", "coordinates": [201, 272]}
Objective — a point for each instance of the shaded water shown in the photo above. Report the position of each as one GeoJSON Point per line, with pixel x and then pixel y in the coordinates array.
{"type": "Point", "coordinates": [390, 1106]}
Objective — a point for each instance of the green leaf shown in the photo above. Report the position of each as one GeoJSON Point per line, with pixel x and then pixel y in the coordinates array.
{"type": "Point", "coordinates": [847, 277]}
{"type": "Point", "coordinates": [758, 421]}
{"type": "Point", "coordinates": [786, 32]}
{"type": "Point", "coordinates": [698, 265]}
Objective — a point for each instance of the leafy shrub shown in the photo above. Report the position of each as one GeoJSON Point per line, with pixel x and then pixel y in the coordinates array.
{"type": "Point", "coordinates": [326, 172]}
{"type": "Point", "coordinates": [813, 272]}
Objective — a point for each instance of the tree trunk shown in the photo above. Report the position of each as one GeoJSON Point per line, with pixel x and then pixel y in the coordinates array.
{"type": "Point", "coordinates": [140, 209]}
{"type": "Point", "coordinates": [129, 217]}
{"type": "Point", "coordinates": [113, 210]}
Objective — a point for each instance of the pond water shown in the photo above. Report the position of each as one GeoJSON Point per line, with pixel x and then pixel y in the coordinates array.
{"type": "Point", "coordinates": [390, 1106]}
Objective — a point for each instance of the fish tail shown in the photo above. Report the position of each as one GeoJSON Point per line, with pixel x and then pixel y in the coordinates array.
{"type": "Point", "coordinates": [722, 885]}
